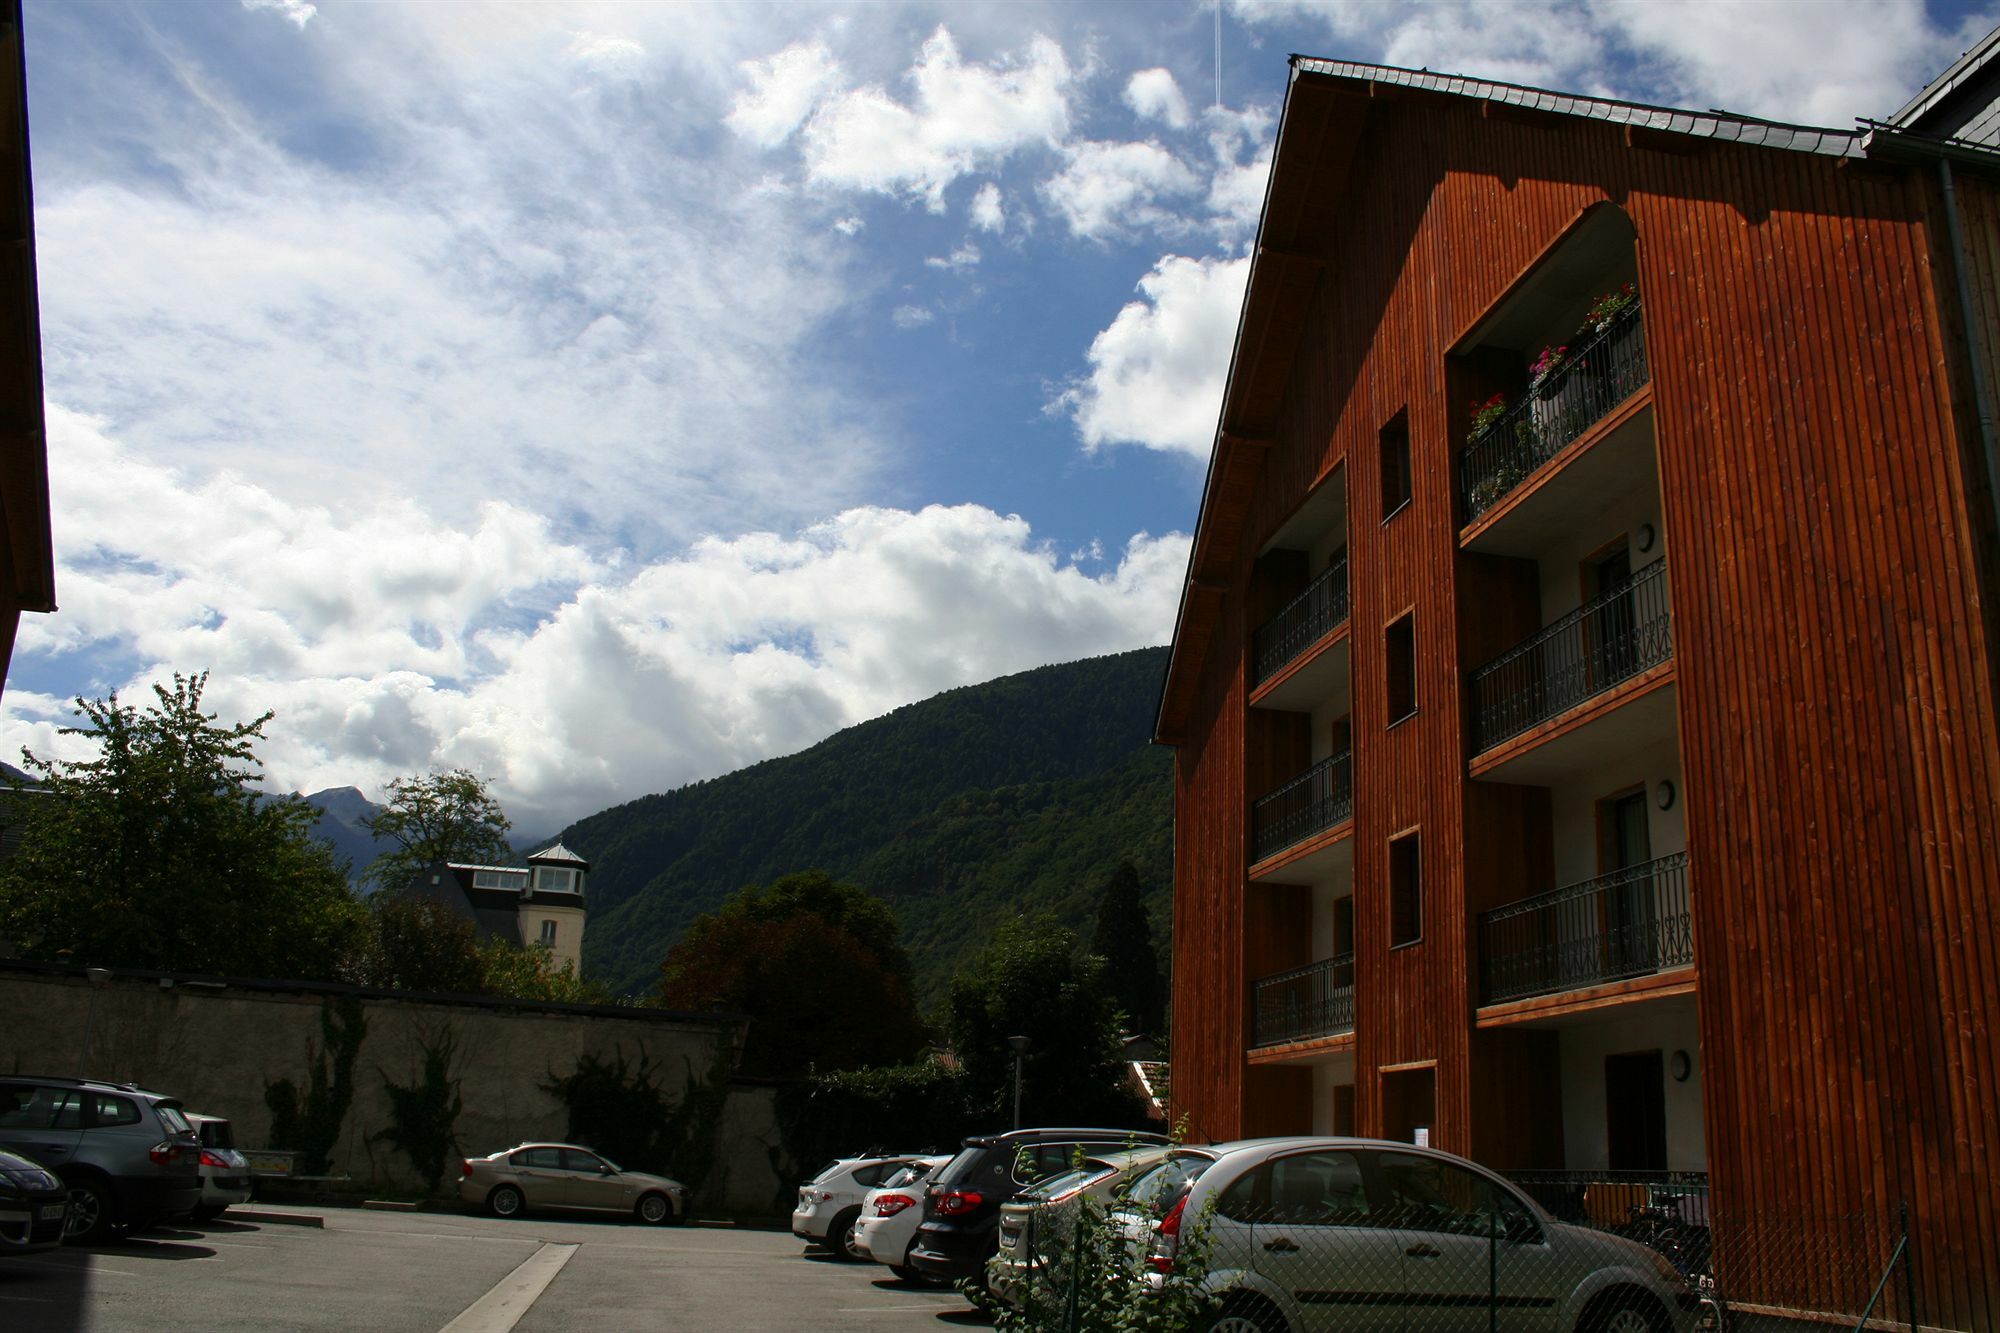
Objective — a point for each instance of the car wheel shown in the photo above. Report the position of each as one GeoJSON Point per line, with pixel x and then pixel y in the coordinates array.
{"type": "Point", "coordinates": [1248, 1315]}
{"type": "Point", "coordinates": [840, 1236]}
{"type": "Point", "coordinates": [1624, 1313]}
{"type": "Point", "coordinates": [654, 1209]}
{"type": "Point", "coordinates": [89, 1213]}
{"type": "Point", "coordinates": [505, 1201]}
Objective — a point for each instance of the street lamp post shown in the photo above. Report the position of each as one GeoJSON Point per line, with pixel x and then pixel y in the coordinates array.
{"type": "Point", "coordinates": [1020, 1045]}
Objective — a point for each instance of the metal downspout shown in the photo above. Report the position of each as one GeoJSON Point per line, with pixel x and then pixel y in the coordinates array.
{"type": "Point", "coordinates": [1982, 398]}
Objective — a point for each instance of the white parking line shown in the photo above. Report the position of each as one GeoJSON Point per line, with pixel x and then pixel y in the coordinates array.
{"type": "Point", "coordinates": [512, 1296]}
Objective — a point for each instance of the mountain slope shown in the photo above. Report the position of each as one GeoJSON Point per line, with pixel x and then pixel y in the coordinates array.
{"type": "Point", "coordinates": [987, 799]}
{"type": "Point", "coordinates": [342, 812]}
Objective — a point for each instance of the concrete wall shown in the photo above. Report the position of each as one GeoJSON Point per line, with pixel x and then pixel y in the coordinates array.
{"type": "Point", "coordinates": [218, 1048]}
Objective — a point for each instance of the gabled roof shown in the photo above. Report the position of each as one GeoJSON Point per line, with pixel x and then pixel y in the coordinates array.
{"type": "Point", "coordinates": [1962, 103]}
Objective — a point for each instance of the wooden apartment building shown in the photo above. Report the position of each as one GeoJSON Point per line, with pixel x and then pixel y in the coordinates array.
{"type": "Point", "coordinates": [1584, 688]}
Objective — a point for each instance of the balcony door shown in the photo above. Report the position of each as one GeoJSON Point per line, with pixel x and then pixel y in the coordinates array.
{"type": "Point", "coordinates": [1635, 1112]}
{"type": "Point", "coordinates": [1632, 927]}
{"type": "Point", "coordinates": [1614, 626]}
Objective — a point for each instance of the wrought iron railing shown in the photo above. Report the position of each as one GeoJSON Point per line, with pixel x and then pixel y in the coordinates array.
{"type": "Point", "coordinates": [1615, 635]}
{"type": "Point", "coordinates": [1316, 799]}
{"type": "Point", "coordinates": [1301, 623]}
{"type": "Point", "coordinates": [1316, 1000]}
{"type": "Point", "coordinates": [1602, 372]}
{"type": "Point", "coordinates": [1628, 923]}
{"type": "Point", "coordinates": [1608, 1197]}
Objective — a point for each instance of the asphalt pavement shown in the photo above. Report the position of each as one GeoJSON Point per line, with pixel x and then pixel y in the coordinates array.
{"type": "Point", "coordinates": [431, 1272]}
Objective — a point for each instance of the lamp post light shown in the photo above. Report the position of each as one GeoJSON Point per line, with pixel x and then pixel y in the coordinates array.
{"type": "Point", "coordinates": [1020, 1045]}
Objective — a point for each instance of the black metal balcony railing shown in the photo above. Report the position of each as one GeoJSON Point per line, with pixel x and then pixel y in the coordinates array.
{"type": "Point", "coordinates": [1602, 372]}
{"type": "Point", "coordinates": [1301, 623]}
{"type": "Point", "coordinates": [1608, 1197]}
{"type": "Point", "coordinates": [1624, 924]}
{"type": "Point", "coordinates": [1316, 1000]}
{"type": "Point", "coordinates": [1614, 636]}
{"type": "Point", "coordinates": [1316, 799]}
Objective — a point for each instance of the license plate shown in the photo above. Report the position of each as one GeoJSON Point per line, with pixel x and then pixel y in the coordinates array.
{"type": "Point", "coordinates": [51, 1211]}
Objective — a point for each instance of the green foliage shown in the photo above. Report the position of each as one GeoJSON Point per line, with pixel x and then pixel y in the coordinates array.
{"type": "Point", "coordinates": [439, 817]}
{"type": "Point", "coordinates": [1089, 1280]}
{"type": "Point", "coordinates": [423, 1113]}
{"type": "Point", "coordinates": [817, 967]}
{"type": "Point", "coordinates": [158, 853]}
{"type": "Point", "coordinates": [310, 1126]}
{"type": "Point", "coordinates": [1124, 940]}
{"type": "Point", "coordinates": [1035, 981]}
{"type": "Point", "coordinates": [922, 1105]}
{"type": "Point", "coordinates": [532, 973]}
{"type": "Point", "coordinates": [623, 1111]}
{"type": "Point", "coordinates": [420, 944]}
{"type": "Point", "coordinates": [999, 797]}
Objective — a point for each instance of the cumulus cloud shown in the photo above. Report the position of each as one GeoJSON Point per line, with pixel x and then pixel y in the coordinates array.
{"type": "Point", "coordinates": [987, 212]}
{"type": "Point", "coordinates": [298, 11]}
{"type": "Point", "coordinates": [1236, 189]}
{"type": "Point", "coordinates": [783, 90]}
{"type": "Point", "coordinates": [1153, 95]}
{"type": "Point", "coordinates": [390, 642]}
{"type": "Point", "coordinates": [1156, 374]}
{"type": "Point", "coordinates": [1111, 189]}
{"type": "Point", "coordinates": [964, 257]}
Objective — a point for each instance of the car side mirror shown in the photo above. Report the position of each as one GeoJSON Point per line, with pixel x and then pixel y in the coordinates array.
{"type": "Point", "coordinates": [1522, 1231]}
{"type": "Point", "coordinates": [603, 1170]}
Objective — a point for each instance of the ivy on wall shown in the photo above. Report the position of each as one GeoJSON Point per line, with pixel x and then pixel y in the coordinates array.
{"type": "Point", "coordinates": [424, 1113]}
{"type": "Point", "coordinates": [310, 1125]}
{"type": "Point", "coordinates": [624, 1111]}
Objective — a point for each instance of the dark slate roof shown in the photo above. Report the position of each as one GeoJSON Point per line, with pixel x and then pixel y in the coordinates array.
{"type": "Point", "coordinates": [1713, 124]}
{"type": "Point", "coordinates": [1963, 103]}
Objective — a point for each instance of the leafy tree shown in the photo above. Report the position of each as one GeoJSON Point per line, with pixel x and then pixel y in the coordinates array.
{"type": "Point", "coordinates": [814, 963]}
{"type": "Point", "coordinates": [439, 817]}
{"type": "Point", "coordinates": [532, 973]}
{"type": "Point", "coordinates": [422, 945]}
{"type": "Point", "coordinates": [1034, 981]}
{"type": "Point", "coordinates": [1124, 940]}
{"type": "Point", "coordinates": [159, 852]}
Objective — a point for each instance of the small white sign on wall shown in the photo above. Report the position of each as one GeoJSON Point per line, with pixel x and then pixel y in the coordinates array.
{"type": "Point", "coordinates": [1423, 1136]}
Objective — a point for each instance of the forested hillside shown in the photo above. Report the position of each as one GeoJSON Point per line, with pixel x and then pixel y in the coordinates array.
{"type": "Point", "coordinates": [1015, 795]}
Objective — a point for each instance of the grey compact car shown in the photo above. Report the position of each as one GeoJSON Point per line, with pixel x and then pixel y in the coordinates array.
{"type": "Point", "coordinates": [127, 1156]}
{"type": "Point", "coordinates": [562, 1175]}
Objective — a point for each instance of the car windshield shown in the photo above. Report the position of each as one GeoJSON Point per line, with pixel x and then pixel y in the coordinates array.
{"type": "Point", "coordinates": [1056, 1187]}
{"type": "Point", "coordinates": [173, 1119]}
{"type": "Point", "coordinates": [1159, 1188]}
{"type": "Point", "coordinates": [960, 1166]}
{"type": "Point", "coordinates": [215, 1134]}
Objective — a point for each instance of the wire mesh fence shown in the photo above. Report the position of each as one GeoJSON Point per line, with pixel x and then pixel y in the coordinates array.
{"type": "Point", "coordinates": [1321, 1244]}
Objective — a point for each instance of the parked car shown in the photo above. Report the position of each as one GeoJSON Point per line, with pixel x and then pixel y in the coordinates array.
{"type": "Point", "coordinates": [563, 1176]}
{"type": "Point", "coordinates": [1406, 1236]}
{"type": "Point", "coordinates": [1040, 1216]}
{"type": "Point", "coordinates": [225, 1173]}
{"type": "Point", "coordinates": [829, 1206]}
{"type": "Point", "coordinates": [889, 1216]}
{"type": "Point", "coordinates": [128, 1156]}
{"type": "Point", "coordinates": [34, 1206]}
{"type": "Point", "coordinates": [962, 1202]}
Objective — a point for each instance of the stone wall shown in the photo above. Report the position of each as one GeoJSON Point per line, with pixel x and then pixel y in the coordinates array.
{"type": "Point", "coordinates": [219, 1046]}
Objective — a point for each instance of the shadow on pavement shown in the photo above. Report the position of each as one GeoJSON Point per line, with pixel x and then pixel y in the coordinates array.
{"type": "Point", "coordinates": [45, 1289]}
{"type": "Point", "coordinates": [156, 1245]}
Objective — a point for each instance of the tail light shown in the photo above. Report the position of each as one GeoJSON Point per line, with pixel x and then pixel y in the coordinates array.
{"type": "Point", "coordinates": [1168, 1238]}
{"type": "Point", "coordinates": [213, 1159]}
{"type": "Point", "coordinates": [164, 1152]}
{"type": "Point", "coordinates": [891, 1204]}
{"type": "Point", "coordinates": [464, 1168]}
{"type": "Point", "coordinates": [957, 1203]}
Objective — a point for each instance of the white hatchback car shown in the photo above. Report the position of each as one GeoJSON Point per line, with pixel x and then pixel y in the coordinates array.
{"type": "Point", "coordinates": [890, 1215]}
{"type": "Point", "coordinates": [830, 1203]}
{"type": "Point", "coordinates": [1362, 1235]}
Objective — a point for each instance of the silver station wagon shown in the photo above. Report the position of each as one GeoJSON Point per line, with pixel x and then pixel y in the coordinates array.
{"type": "Point", "coordinates": [562, 1175]}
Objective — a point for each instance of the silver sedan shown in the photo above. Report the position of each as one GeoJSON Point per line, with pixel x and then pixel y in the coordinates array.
{"type": "Point", "coordinates": [562, 1175]}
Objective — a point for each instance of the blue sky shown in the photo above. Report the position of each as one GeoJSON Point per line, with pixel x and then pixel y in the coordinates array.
{"type": "Point", "coordinates": [605, 396]}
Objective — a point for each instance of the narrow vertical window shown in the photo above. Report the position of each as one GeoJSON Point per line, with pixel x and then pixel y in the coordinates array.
{"type": "Point", "coordinates": [549, 934]}
{"type": "Point", "coordinates": [1399, 652]}
{"type": "Point", "coordinates": [1406, 892]}
{"type": "Point", "coordinates": [1395, 450]}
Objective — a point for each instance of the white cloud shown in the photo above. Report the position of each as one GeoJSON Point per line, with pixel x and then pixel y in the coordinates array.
{"type": "Point", "coordinates": [964, 117]}
{"type": "Point", "coordinates": [849, 226]}
{"type": "Point", "coordinates": [987, 212]}
{"type": "Point", "coordinates": [1236, 191]}
{"type": "Point", "coordinates": [389, 642]}
{"type": "Point", "coordinates": [1153, 95]}
{"type": "Point", "coordinates": [1156, 374]}
{"type": "Point", "coordinates": [964, 257]}
{"type": "Point", "coordinates": [614, 54]}
{"type": "Point", "coordinates": [298, 11]}
{"type": "Point", "coordinates": [911, 316]}
{"type": "Point", "coordinates": [783, 90]}
{"type": "Point", "coordinates": [1112, 189]}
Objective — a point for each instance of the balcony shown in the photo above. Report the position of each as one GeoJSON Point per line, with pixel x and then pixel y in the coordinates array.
{"type": "Point", "coordinates": [1301, 623]}
{"type": "Point", "coordinates": [1614, 636]}
{"type": "Point", "coordinates": [1601, 373]}
{"type": "Point", "coordinates": [1310, 803]}
{"type": "Point", "coordinates": [1629, 923]}
{"type": "Point", "coordinates": [1316, 1000]}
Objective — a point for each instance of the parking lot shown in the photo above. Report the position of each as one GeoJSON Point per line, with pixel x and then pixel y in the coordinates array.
{"type": "Point", "coordinates": [392, 1272]}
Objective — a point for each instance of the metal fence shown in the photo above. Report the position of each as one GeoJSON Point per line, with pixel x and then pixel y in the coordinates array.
{"type": "Point", "coordinates": [1625, 924]}
{"type": "Point", "coordinates": [1301, 622]}
{"type": "Point", "coordinates": [1316, 1000]}
{"type": "Point", "coordinates": [1614, 636]}
{"type": "Point", "coordinates": [1315, 800]}
{"type": "Point", "coordinates": [1601, 373]}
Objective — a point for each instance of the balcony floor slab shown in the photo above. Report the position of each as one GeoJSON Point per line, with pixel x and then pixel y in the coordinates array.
{"type": "Point", "coordinates": [1312, 1051]}
{"type": "Point", "coordinates": [1567, 1006]}
{"type": "Point", "coordinates": [1310, 679]}
{"type": "Point", "coordinates": [1626, 717]}
{"type": "Point", "coordinates": [1326, 858]}
{"type": "Point", "coordinates": [1593, 472]}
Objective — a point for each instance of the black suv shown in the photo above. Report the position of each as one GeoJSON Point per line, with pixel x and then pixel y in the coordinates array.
{"type": "Point", "coordinates": [127, 1156]}
{"type": "Point", "coordinates": [960, 1231]}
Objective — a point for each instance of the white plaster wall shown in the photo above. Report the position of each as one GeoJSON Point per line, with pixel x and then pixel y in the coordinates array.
{"type": "Point", "coordinates": [1666, 1026]}
{"type": "Point", "coordinates": [1560, 564]}
{"type": "Point", "coordinates": [1325, 1077]}
{"type": "Point", "coordinates": [1573, 807]}
{"type": "Point", "coordinates": [569, 931]}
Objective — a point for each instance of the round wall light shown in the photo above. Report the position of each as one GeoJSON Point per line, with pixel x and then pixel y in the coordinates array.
{"type": "Point", "coordinates": [1663, 795]}
{"type": "Point", "coordinates": [1646, 537]}
{"type": "Point", "coordinates": [1682, 1066]}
